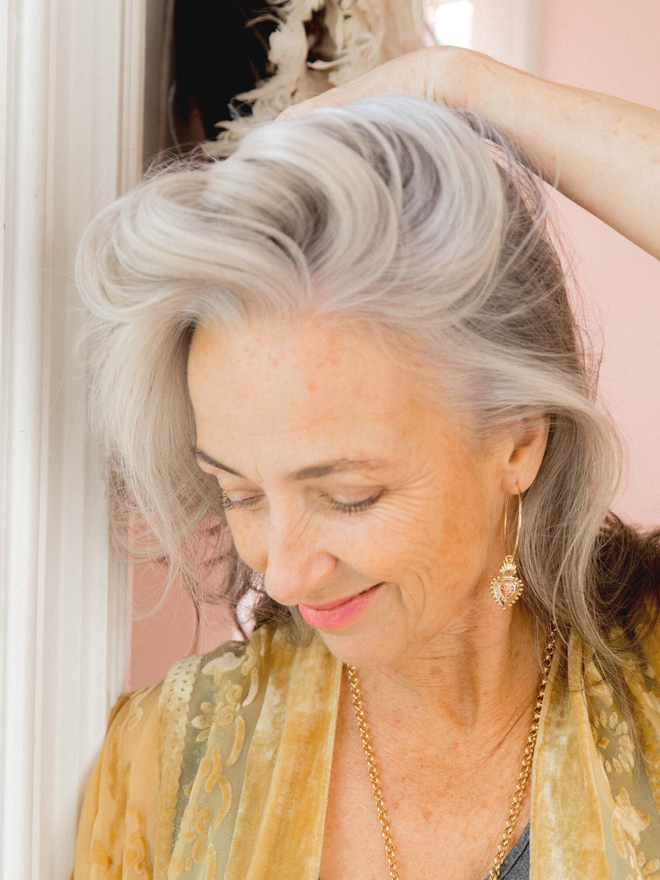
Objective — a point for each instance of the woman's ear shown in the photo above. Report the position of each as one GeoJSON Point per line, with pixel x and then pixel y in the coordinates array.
{"type": "Point", "coordinates": [523, 454]}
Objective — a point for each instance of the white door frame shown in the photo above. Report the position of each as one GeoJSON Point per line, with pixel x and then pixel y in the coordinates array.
{"type": "Point", "coordinates": [71, 93]}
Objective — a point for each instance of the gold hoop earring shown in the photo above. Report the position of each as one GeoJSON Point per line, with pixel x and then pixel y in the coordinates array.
{"type": "Point", "coordinates": [507, 586]}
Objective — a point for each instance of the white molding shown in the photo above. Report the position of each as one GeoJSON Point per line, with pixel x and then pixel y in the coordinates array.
{"type": "Point", "coordinates": [71, 94]}
{"type": "Point", "coordinates": [508, 30]}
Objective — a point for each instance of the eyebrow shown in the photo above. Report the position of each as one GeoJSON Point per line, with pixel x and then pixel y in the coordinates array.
{"type": "Point", "coordinates": [308, 473]}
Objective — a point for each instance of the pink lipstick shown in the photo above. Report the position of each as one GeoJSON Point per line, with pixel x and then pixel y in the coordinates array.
{"type": "Point", "coordinates": [337, 613]}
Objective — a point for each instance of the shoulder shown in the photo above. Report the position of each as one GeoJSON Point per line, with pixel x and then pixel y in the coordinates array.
{"type": "Point", "coordinates": [133, 723]}
{"type": "Point", "coordinates": [232, 673]}
{"type": "Point", "coordinates": [121, 795]}
{"type": "Point", "coordinates": [151, 751]}
{"type": "Point", "coordinates": [163, 710]}
{"type": "Point", "coordinates": [257, 712]}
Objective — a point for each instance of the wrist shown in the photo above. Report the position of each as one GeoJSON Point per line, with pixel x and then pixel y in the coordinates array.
{"type": "Point", "coordinates": [462, 77]}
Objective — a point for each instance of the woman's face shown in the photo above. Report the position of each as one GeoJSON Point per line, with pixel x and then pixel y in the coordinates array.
{"type": "Point", "coordinates": [345, 480]}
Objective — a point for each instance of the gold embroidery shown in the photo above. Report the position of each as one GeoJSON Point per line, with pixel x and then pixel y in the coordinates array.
{"type": "Point", "coordinates": [101, 857]}
{"type": "Point", "coordinates": [136, 712]}
{"type": "Point", "coordinates": [622, 756]}
{"type": "Point", "coordinates": [116, 790]}
{"type": "Point", "coordinates": [173, 710]}
{"type": "Point", "coordinates": [176, 867]}
{"type": "Point", "coordinates": [202, 823]}
{"type": "Point", "coordinates": [239, 739]}
{"type": "Point", "coordinates": [628, 818]}
{"type": "Point", "coordinates": [249, 667]}
{"type": "Point", "coordinates": [627, 822]}
{"type": "Point", "coordinates": [225, 789]}
{"type": "Point", "coordinates": [596, 688]}
{"type": "Point", "coordinates": [227, 698]}
{"type": "Point", "coordinates": [204, 722]}
{"type": "Point", "coordinates": [211, 769]}
{"type": "Point", "coordinates": [610, 733]}
{"type": "Point", "coordinates": [137, 854]}
{"type": "Point", "coordinates": [199, 821]}
{"type": "Point", "coordinates": [211, 862]}
{"type": "Point", "coordinates": [647, 870]}
{"type": "Point", "coordinates": [633, 831]}
{"type": "Point", "coordinates": [236, 682]}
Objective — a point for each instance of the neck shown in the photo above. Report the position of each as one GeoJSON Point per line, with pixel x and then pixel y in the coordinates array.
{"type": "Point", "coordinates": [477, 678]}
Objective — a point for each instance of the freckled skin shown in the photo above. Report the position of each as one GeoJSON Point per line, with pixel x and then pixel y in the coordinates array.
{"type": "Point", "coordinates": [269, 400]}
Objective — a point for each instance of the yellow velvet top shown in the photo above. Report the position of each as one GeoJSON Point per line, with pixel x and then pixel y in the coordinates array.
{"type": "Point", "coordinates": [221, 771]}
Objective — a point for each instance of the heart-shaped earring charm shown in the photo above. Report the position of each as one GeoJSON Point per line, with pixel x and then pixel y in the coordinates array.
{"type": "Point", "coordinates": [507, 586]}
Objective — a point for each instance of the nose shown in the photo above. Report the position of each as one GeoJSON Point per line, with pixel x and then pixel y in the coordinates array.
{"type": "Point", "coordinates": [293, 560]}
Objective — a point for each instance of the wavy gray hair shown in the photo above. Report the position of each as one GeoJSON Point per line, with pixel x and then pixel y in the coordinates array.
{"type": "Point", "coordinates": [429, 226]}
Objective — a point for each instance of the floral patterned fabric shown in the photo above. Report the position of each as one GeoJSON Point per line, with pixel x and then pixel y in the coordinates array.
{"type": "Point", "coordinates": [221, 772]}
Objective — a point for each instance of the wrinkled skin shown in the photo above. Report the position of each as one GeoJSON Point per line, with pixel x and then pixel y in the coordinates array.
{"type": "Point", "coordinates": [270, 400]}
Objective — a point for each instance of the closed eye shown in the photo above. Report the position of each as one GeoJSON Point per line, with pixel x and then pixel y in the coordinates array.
{"type": "Point", "coordinates": [356, 507]}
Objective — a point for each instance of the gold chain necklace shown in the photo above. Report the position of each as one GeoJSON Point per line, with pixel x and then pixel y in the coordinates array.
{"type": "Point", "coordinates": [522, 778]}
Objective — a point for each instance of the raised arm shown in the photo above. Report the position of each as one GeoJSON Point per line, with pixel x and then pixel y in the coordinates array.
{"type": "Point", "coordinates": [602, 152]}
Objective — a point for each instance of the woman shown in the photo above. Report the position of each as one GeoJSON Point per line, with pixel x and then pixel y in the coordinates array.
{"type": "Point", "coordinates": [352, 343]}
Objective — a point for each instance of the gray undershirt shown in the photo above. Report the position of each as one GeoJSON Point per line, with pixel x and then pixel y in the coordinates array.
{"type": "Point", "coordinates": [516, 864]}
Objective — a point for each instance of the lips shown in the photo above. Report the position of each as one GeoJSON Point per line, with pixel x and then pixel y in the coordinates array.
{"type": "Point", "coordinates": [340, 601]}
{"type": "Point", "coordinates": [340, 613]}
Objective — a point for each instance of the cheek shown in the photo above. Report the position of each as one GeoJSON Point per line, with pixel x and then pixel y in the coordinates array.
{"type": "Point", "coordinates": [402, 542]}
{"type": "Point", "coordinates": [440, 540]}
{"type": "Point", "coordinates": [375, 545]}
{"type": "Point", "coordinates": [422, 540]}
{"type": "Point", "coordinates": [462, 538]}
{"type": "Point", "coordinates": [248, 540]}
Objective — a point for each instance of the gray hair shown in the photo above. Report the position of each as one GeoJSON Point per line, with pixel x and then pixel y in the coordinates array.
{"type": "Point", "coordinates": [431, 228]}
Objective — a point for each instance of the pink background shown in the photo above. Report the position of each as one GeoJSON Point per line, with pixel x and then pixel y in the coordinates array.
{"type": "Point", "coordinates": [607, 46]}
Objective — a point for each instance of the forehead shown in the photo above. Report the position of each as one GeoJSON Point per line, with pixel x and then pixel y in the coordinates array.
{"type": "Point", "coordinates": [320, 359]}
{"type": "Point", "coordinates": [313, 385]}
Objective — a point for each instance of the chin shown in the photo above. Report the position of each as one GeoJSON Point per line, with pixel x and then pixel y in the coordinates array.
{"type": "Point", "coordinates": [364, 650]}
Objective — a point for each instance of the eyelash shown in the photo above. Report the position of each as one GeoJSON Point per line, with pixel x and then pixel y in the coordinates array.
{"type": "Point", "coordinates": [357, 507]}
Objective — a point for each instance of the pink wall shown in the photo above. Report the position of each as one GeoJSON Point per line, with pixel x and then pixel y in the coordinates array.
{"type": "Point", "coordinates": [612, 47]}
{"type": "Point", "coordinates": [607, 46]}
{"type": "Point", "coordinates": [155, 642]}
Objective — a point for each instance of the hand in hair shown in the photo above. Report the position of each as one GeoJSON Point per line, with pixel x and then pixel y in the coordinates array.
{"type": "Point", "coordinates": [600, 151]}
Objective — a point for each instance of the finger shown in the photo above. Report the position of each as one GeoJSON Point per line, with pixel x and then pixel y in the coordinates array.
{"type": "Point", "coordinates": [297, 110]}
{"type": "Point", "coordinates": [362, 87]}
